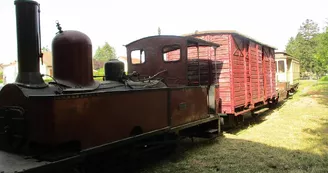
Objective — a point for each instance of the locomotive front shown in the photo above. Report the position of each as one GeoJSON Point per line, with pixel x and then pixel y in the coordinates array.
{"type": "Point", "coordinates": [14, 105]}
{"type": "Point", "coordinates": [74, 110]}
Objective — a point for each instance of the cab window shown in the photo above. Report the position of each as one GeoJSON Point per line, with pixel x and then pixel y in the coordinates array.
{"type": "Point", "coordinates": [171, 53]}
{"type": "Point", "coordinates": [138, 56]}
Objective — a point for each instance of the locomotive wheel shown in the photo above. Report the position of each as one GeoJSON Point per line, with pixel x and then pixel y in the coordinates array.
{"type": "Point", "coordinates": [13, 128]}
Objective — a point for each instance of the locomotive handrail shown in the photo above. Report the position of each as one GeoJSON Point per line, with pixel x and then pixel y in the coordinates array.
{"type": "Point", "coordinates": [152, 77]}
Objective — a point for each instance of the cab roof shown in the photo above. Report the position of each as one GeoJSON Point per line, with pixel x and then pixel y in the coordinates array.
{"type": "Point", "coordinates": [191, 41]}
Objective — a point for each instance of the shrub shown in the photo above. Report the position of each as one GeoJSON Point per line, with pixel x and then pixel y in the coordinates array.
{"type": "Point", "coordinates": [325, 78]}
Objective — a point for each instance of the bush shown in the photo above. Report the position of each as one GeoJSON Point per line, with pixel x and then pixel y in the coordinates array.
{"type": "Point", "coordinates": [48, 80]}
{"type": "Point", "coordinates": [99, 72]}
{"type": "Point", "coordinates": [325, 78]}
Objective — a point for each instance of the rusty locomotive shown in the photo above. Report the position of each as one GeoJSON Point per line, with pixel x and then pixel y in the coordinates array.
{"type": "Point", "coordinates": [44, 125]}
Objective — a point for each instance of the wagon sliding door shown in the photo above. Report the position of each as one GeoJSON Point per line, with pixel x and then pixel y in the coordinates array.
{"type": "Point", "coordinates": [240, 73]}
{"type": "Point", "coordinates": [256, 73]}
{"type": "Point", "coordinates": [269, 73]}
{"type": "Point", "coordinates": [273, 72]}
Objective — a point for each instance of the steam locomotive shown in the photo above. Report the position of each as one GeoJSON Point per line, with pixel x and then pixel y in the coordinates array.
{"type": "Point", "coordinates": [44, 126]}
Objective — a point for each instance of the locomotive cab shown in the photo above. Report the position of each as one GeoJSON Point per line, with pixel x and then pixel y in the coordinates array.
{"type": "Point", "coordinates": [176, 60]}
{"type": "Point", "coordinates": [167, 57]}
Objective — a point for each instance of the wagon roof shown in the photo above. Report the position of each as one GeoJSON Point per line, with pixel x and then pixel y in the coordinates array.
{"type": "Point", "coordinates": [192, 41]}
{"type": "Point", "coordinates": [289, 56]}
{"type": "Point", "coordinates": [233, 32]}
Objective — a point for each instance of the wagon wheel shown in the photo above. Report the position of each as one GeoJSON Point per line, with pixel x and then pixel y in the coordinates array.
{"type": "Point", "coordinates": [13, 126]}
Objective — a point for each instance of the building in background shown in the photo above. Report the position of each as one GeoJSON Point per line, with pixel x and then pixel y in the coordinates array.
{"type": "Point", "coordinates": [97, 64]}
{"type": "Point", "coordinates": [10, 70]}
{"type": "Point", "coordinates": [124, 60]}
{"type": "Point", "coordinates": [46, 67]}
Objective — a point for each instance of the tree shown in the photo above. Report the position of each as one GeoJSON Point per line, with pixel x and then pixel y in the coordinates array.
{"type": "Point", "coordinates": [293, 46]}
{"type": "Point", "coordinates": [45, 49]}
{"type": "Point", "coordinates": [309, 29]}
{"type": "Point", "coordinates": [322, 51]}
{"type": "Point", "coordinates": [304, 46]}
{"type": "Point", "coordinates": [105, 53]}
{"type": "Point", "coordinates": [159, 30]}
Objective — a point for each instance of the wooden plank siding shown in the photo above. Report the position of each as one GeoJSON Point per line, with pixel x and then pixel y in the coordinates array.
{"type": "Point", "coordinates": [246, 75]}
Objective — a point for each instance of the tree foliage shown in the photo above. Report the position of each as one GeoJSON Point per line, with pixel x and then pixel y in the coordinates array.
{"type": "Point", "coordinates": [45, 49]}
{"type": "Point", "coordinates": [311, 47]}
{"type": "Point", "coordinates": [105, 53]}
{"type": "Point", "coordinates": [322, 50]}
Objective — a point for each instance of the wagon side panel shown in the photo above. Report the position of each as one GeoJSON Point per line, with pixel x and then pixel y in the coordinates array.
{"type": "Point", "coordinates": [223, 73]}
{"type": "Point", "coordinates": [253, 72]}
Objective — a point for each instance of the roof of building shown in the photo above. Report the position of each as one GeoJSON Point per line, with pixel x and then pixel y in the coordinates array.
{"type": "Point", "coordinates": [10, 64]}
{"type": "Point", "coordinates": [288, 56]}
{"type": "Point", "coordinates": [47, 60]}
{"type": "Point", "coordinates": [134, 60]}
{"type": "Point", "coordinates": [284, 53]}
{"type": "Point", "coordinates": [227, 32]}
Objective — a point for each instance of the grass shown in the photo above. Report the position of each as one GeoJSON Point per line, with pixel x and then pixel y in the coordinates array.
{"type": "Point", "coordinates": [293, 138]}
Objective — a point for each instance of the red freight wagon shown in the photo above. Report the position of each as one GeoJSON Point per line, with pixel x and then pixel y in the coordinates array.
{"type": "Point", "coordinates": [247, 77]}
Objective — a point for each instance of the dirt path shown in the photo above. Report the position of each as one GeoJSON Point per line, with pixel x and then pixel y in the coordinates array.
{"type": "Point", "coordinates": [293, 138]}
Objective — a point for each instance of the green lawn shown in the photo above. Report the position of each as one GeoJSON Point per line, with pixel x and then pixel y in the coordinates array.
{"type": "Point", "coordinates": [292, 138]}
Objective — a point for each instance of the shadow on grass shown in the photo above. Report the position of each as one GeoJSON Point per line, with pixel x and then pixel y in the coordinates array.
{"type": "Point", "coordinates": [319, 136]}
{"type": "Point", "coordinates": [235, 155]}
{"type": "Point", "coordinates": [250, 121]}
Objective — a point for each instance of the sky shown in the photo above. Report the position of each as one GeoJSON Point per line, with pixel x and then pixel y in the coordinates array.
{"type": "Point", "coordinates": [120, 22]}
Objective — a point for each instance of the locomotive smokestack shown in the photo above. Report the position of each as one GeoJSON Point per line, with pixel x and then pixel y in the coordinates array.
{"type": "Point", "coordinates": [28, 44]}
